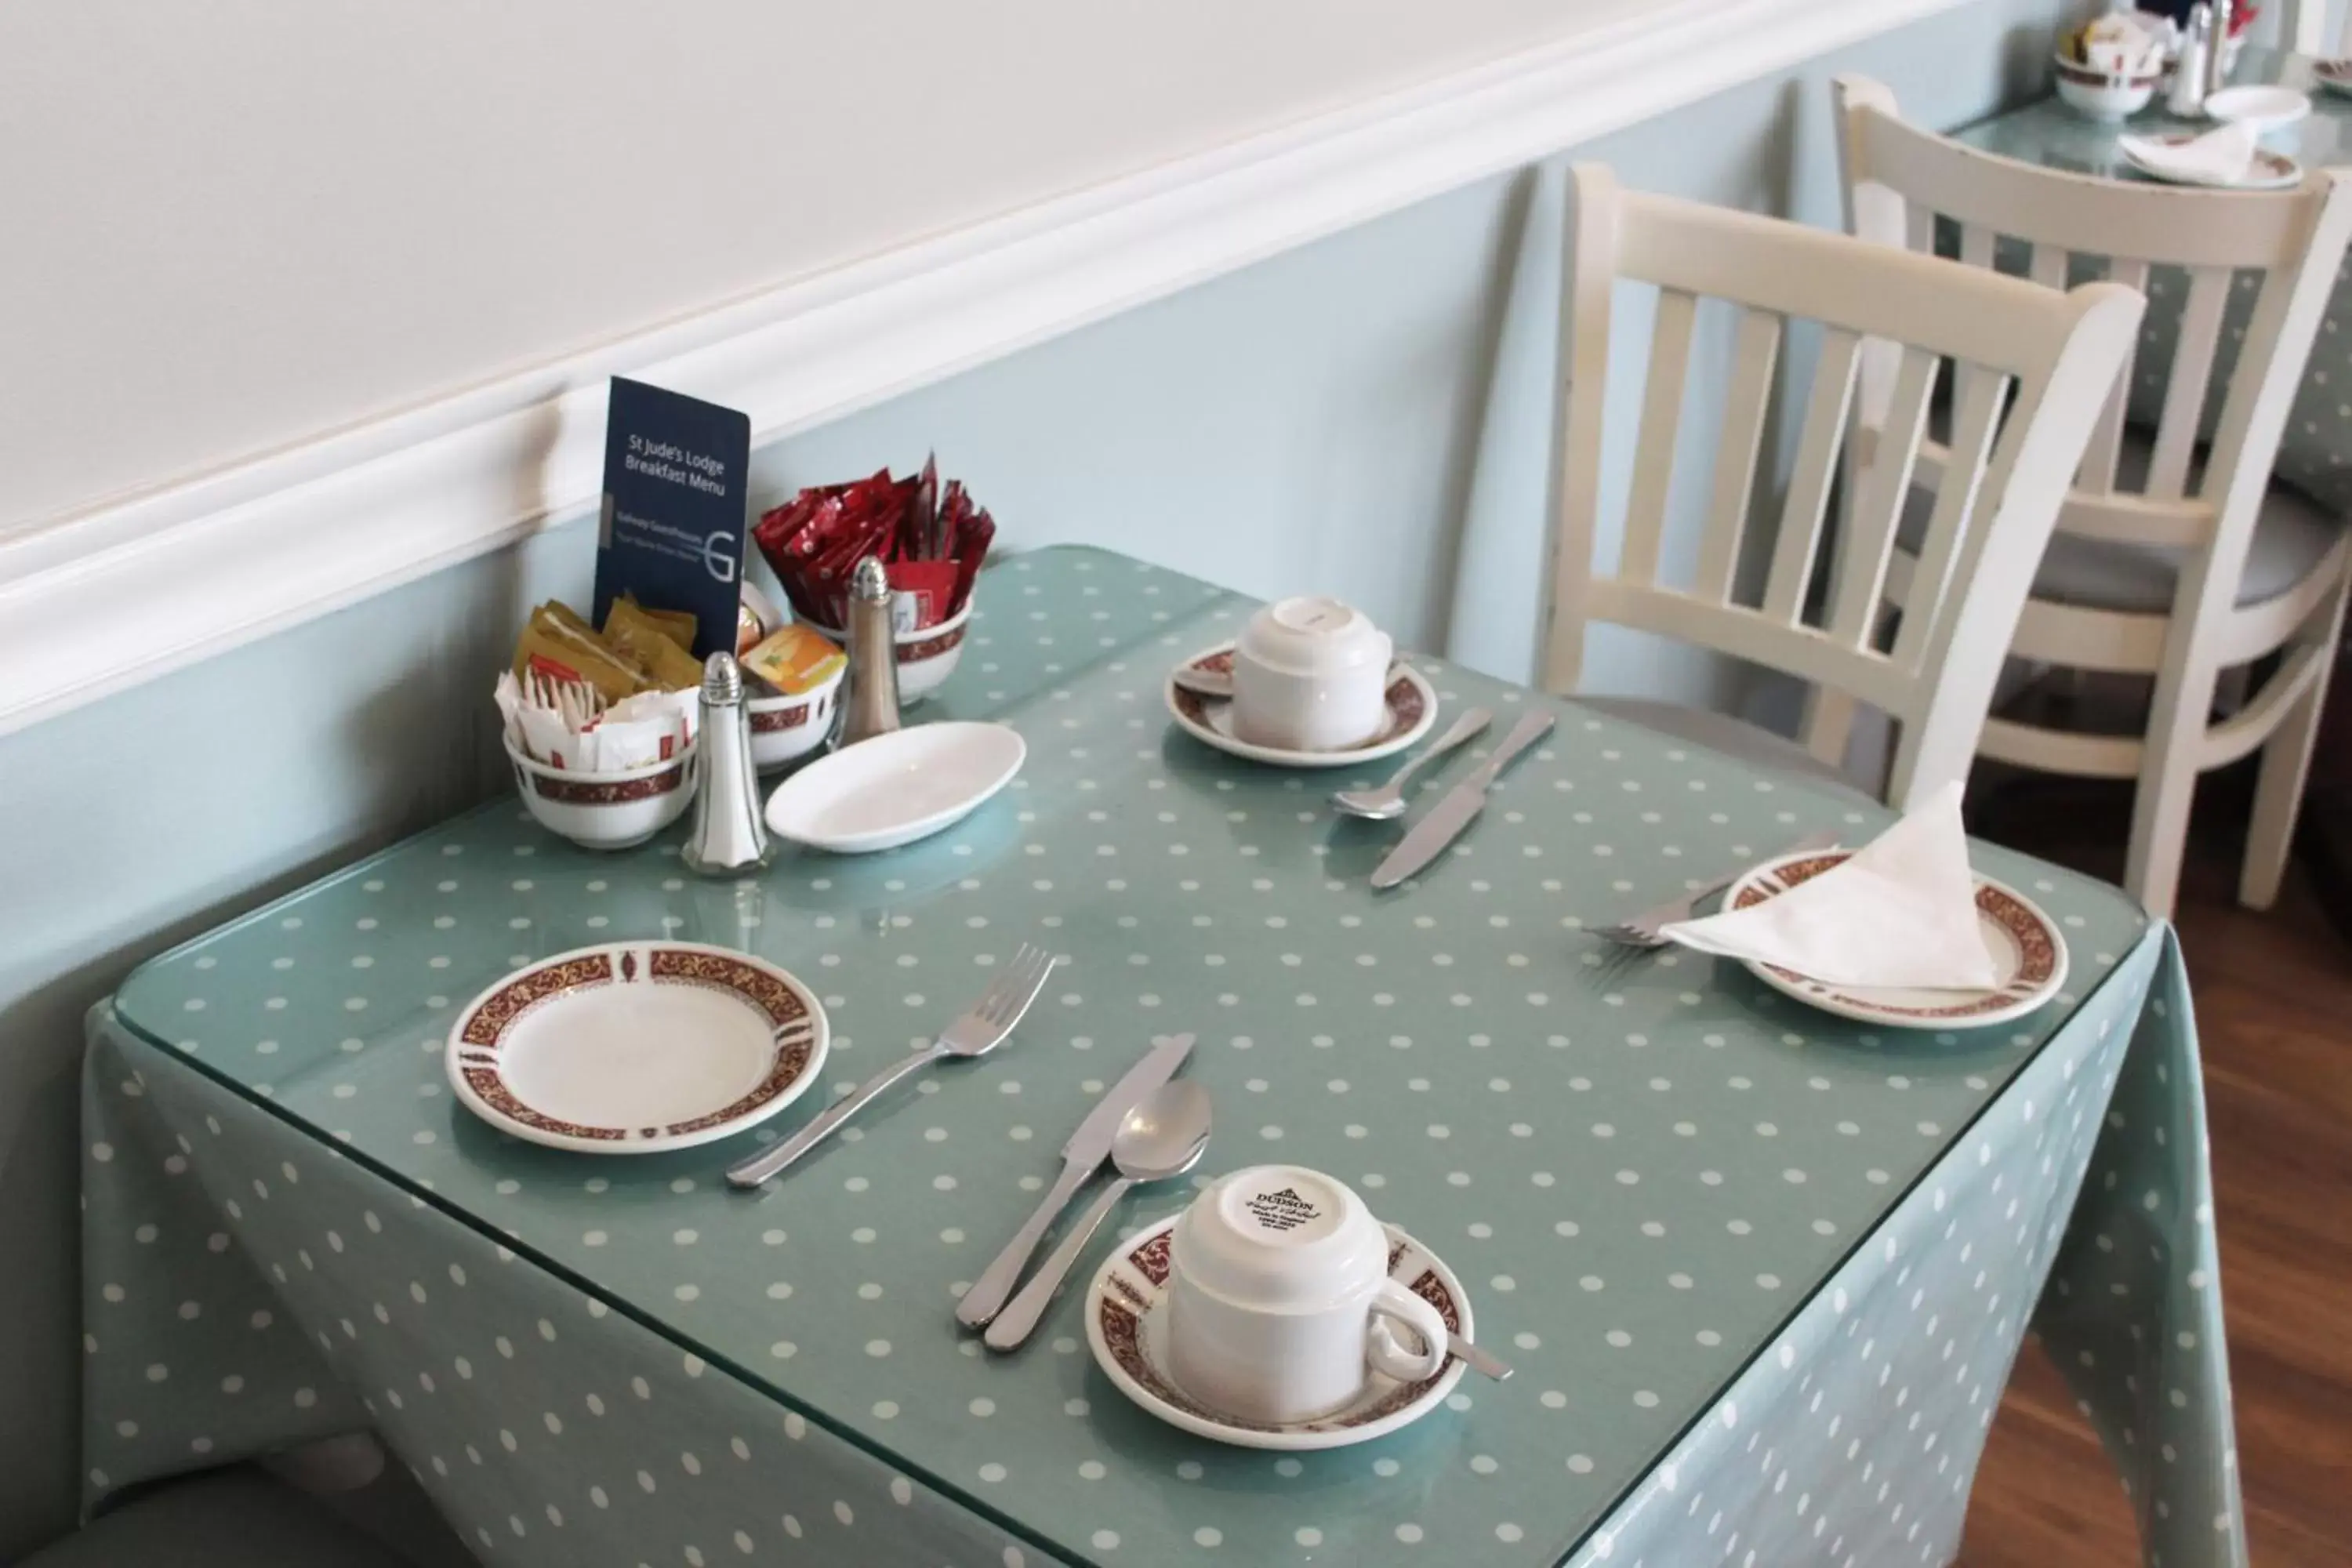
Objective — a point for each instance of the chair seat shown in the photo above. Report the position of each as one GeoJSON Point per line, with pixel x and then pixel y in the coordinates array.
{"type": "Point", "coordinates": [235, 1518]}
{"type": "Point", "coordinates": [2292, 536]}
{"type": "Point", "coordinates": [1722, 732]}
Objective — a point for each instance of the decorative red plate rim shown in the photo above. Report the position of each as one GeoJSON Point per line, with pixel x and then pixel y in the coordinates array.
{"type": "Point", "coordinates": [1406, 704]}
{"type": "Point", "coordinates": [482, 1029]}
{"type": "Point", "coordinates": [2037, 944]}
{"type": "Point", "coordinates": [1120, 1309]}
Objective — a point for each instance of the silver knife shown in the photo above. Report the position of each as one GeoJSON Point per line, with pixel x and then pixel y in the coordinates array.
{"type": "Point", "coordinates": [1464, 801]}
{"type": "Point", "coordinates": [1082, 1156]}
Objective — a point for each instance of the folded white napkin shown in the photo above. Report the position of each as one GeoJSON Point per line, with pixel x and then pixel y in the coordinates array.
{"type": "Point", "coordinates": [2217, 158]}
{"type": "Point", "coordinates": [1900, 912]}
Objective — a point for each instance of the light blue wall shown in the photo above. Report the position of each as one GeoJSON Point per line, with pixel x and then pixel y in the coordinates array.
{"type": "Point", "coordinates": [1315, 420]}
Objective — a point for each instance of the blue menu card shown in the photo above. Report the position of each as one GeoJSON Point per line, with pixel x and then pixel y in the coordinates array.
{"type": "Point", "coordinates": [671, 532]}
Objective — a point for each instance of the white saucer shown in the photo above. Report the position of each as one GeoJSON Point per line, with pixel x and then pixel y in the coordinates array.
{"type": "Point", "coordinates": [2029, 957]}
{"type": "Point", "coordinates": [1127, 1329]}
{"type": "Point", "coordinates": [2266, 109]}
{"type": "Point", "coordinates": [895, 788]}
{"type": "Point", "coordinates": [2269, 171]}
{"type": "Point", "coordinates": [636, 1047]}
{"type": "Point", "coordinates": [1411, 709]}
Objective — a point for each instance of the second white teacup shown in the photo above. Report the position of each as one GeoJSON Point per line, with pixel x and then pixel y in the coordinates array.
{"type": "Point", "coordinates": [1279, 1299]}
{"type": "Point", "coordinates": [1310, 675]}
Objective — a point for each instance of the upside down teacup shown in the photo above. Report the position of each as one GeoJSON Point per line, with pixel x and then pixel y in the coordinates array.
{"type": "Point", "coordinates": [1310, 675]}
{"type": "Point", "coordinates": [1279, 1299]}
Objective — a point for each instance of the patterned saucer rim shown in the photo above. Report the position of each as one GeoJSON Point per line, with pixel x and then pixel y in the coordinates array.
{"type": "Point", "coordinates": [801, 1036]}
{"type": "Point", "coordinates": [2041, 967]}
{"type": "Point", "coordinates": [1412, 704]}
{"type": "Point", "coordinates": [2283, 172]}
{"type": "Point", "coordinates": [1128, 1291]}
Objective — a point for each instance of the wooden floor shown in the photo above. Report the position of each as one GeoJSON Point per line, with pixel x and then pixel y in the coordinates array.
{"type": "Point", "coordinates": [2275, 1019]}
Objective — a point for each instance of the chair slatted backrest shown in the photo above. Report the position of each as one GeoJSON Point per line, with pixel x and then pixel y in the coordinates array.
{"type": "Point", "coordinates": [2042, 361]}
{"type": "Point", "coordinates": [1899, 180]}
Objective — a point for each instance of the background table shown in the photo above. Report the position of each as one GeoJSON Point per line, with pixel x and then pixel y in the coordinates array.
{"type": "Point", "coordinates": [2315, 450]}
{"type": "Point", "coordinates": [1762, 1273]}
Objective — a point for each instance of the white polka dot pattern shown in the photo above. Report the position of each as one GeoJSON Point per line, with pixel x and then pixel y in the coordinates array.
{"type": "Point", "coordinates": [1643, 1174]}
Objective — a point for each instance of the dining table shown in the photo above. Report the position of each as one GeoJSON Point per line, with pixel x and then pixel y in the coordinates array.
{"type": "Point", "coordinates": [2314, 455]}
{"type": "Point", "coordinates": [1761, 1272]}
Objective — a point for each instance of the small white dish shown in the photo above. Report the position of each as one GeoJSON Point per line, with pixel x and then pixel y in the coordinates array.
{"type": "Point", "coordinates": [607, 811]}
{"type": "Point", "coordinates": [1126, 1329]}
{"type": "Point", "coordinates": [2271, 171]}
{"type": "Point", "coordinates": [2029, 957]}
{"type": "Point", "coordinates": [895, 788]}
{"type": "Point", "coordinates": [926, 659]}
{"type": "Point", "coordinates": [784, 728]}
{"type": "Point", "coordinates": [636, 1047]}
{"type": "Point", "coordinates": [1410, 704]}
{"type": "Point", "coordinates": [2266, 109]}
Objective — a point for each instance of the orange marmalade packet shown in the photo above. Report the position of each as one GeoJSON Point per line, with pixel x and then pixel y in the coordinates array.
{"type": "Point", "coordinates": [795, 660]}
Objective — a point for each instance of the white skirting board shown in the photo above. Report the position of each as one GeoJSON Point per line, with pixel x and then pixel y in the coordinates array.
{"type": "Point", "coordinates": [137, 584]}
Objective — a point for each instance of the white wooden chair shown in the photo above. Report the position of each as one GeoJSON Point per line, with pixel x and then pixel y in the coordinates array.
{"type": "Point", "coordinates": [2058, 353]}
{"type": "Point", "coordinates": [2164, 565]}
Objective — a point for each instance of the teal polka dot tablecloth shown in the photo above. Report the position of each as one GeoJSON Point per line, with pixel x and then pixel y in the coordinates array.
{"type": "Point", "coordinates": [1761, 1272]}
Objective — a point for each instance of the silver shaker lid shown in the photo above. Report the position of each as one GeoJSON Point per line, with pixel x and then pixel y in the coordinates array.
{"type": "Point", "coordinates": [722, 680]}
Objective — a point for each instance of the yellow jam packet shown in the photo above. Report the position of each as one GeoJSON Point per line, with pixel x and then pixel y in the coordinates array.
{"type": "Point", "coordinates": [644, 640]}
{"type": "Point", "coordinates": [556, 640]}
{"type": "Point", "coordinates": [795, 660]}
{"type": "Point", "coordinates": [675, 625]}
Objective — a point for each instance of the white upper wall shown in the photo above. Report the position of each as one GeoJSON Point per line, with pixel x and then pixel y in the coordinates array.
{"type": "Point", "coordinates": [231, 227]}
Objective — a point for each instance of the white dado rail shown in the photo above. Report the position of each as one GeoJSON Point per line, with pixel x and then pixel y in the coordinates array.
{"type": "Point", "coordinates": [305, 529]}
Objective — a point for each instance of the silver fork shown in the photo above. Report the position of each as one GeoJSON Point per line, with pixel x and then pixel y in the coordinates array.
{"type": "Point", "coordinates": [978, 1030]}
{"type": "Point", "coordinates": [1641, 930]}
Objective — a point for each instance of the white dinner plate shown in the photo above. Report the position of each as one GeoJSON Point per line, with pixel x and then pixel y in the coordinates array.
{"type": "Point", "coordinates": [2269, 171]}
{"type": "Point", "coordinates": [636, 1047]}
{"type": "Point", "coordinates": [1127, 1328]}
{"type": "Point", "coordinates": [895, 788]}
{"type": "Point", "coordinates": [1411, 710]}
{"type": "Point", "coordinates": [2029, 957]}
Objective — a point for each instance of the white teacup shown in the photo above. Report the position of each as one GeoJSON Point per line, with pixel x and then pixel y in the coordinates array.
{"type": "Point", "coordinates": [1310, 675]}
{"type": "Point", "coordinates": [1279, 1298]}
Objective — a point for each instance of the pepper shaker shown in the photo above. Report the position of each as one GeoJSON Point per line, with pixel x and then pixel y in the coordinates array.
{"type": "Point", "coordinates": [729, 836]}
{"type": "Point", "coordinates": [870, 701]}
{"type": "Point", "coordinates": [2217, 49]}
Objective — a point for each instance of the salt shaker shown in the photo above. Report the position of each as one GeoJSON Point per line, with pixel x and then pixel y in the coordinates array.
{"type": "Point", "coordinates": [870, 701]}
{"type": "Point", "coordinates": [2187, 98]}
{"type": "Point", "coordinates": [729, 836]}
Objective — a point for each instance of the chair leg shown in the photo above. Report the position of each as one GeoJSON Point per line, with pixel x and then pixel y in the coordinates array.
{"type": "Point", "coordinates": [2278, 796]}
{"type": "Point", "coordinates": [2168, 788]}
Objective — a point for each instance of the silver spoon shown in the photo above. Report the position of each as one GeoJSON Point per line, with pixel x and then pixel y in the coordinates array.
{"type": "Point", "coordinates": [1480, 1361]}
{"type": "Point", "coordinates": [1388, 801]}
{"type": "Point", "coordinates": [1160, 1138]}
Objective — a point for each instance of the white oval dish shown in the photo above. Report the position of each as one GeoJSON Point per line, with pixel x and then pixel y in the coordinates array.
{"type": "Point", "coordinates": [1126, 1329]}
{"type": "Point", "coordinates": [636, 1047]}
{"type": "Point", "coordinates": [2029, 957]}
{"type": "Point", "coordinates": [895, 788]}
{"type": "Point", "coordinates": [2266, 109]}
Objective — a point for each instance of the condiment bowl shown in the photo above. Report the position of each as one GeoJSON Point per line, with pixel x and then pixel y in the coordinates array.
{"type": "Point", "coordinates": [2098, 95]}
{"type": "Point", "coordinates": [926, 659]}
{"type": "Point", "coordinates": [607, 811]}
{"type": "Point", "coordinates": [784, 728]}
